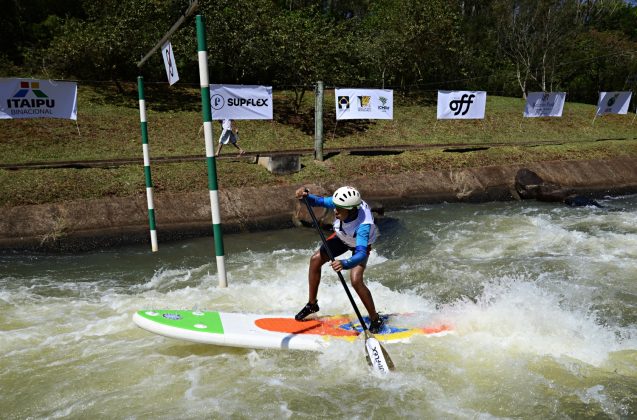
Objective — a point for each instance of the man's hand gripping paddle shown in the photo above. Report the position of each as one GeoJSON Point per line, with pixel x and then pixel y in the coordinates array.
{"type": "Point", "coordinates": [377, 356]}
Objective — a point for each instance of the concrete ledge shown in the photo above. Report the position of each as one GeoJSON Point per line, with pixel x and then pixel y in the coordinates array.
{"type": "Point", "coordinates": [88, 224]}
{"type": "Point", "coordinates": [281, 164]}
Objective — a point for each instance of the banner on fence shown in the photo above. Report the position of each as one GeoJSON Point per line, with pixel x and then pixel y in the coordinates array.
{"type": "Point", "coordinates": [31, 98]}
{"type": "Point", "coordinates": [544, 104]}
{"type": "Point", "coordinates": [241, 102]}
{"type": "Point", "coordinates": [364, 104]}
{"type": "Point", "coordinates": [613, 103]}
{"type": "Point", "coordinates": [464, 105]}
{"type": "Point", "coordinates": [169, 63]}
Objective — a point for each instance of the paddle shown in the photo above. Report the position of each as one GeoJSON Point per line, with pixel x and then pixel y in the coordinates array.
{"type": "Point", "coordinates": [377, 356]}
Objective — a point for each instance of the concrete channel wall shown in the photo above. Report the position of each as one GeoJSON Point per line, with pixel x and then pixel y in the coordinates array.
{"type": "Point", "coordinates": [89, 224]}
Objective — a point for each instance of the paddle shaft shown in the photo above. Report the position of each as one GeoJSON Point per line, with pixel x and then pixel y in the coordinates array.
{"type": "Point", "coordinates": [329, 253]}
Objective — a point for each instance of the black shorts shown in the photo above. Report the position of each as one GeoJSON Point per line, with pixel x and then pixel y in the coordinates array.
{"type": "Point", "coordinates": [338, 247]}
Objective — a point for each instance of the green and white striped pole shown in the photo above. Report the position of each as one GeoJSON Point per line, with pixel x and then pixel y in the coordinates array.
{"type": "Point", "coordinates": [210, 154]}
{"type": "Point", "coordinates": [149, 182]}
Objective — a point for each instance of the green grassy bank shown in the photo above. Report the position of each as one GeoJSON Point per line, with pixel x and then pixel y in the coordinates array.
{"type": "Point", "coordinates": [108, 124]}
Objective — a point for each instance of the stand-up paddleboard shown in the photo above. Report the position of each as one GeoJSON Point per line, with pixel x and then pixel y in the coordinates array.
{"type": "Point", "coordinates": [273, 332]}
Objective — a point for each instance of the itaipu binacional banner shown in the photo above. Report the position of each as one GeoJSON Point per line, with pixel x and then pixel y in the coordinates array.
{"type": "Point", "coordinates": [241, 102]}
{"type": "Point", "coordinates": [31, 98]}
{"type": "Point", "coordinates": [613, 102]}
{"type": "Point", "coordinates": [544, 104]}
{"type": "Point", "coordinates": [464, 105]}
{"type": "Point", "coordinates": [364, 104]}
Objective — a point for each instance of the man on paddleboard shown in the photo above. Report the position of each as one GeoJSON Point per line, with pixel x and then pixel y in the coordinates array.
{"type": "Point", "coordinates": [354, 230]}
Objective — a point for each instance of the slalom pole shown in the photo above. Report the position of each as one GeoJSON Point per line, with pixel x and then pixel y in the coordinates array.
{"type": "Point", "coordinates": [210, 154]}
{"type": "Point", "coordinates": [149, 181]}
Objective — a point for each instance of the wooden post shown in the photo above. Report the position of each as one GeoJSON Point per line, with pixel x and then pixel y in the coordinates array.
{"type": "Point", "coordinates": [318, 122]}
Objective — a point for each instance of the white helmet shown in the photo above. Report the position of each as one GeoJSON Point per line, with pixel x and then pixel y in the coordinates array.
{"type": "Point", "coordinates": [347, 198]}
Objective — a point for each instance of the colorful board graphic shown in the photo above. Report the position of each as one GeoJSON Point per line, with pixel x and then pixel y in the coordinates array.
{"type": "Point", "coordinates": [270, 331]}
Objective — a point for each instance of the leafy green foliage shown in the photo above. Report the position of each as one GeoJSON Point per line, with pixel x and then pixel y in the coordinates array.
{"type": "Point", "coordinates": [413, 41]}
{"type": "Point", "coordinates": [497, 45]}
{"type": "Point", "coordinates": [109, 42]}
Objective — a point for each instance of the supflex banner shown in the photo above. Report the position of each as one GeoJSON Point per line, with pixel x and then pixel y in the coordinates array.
{"type": "Point", "coordinates": [241, 102]}
{"type": "Point", "coordinates": [544, 104]}
{"type": "Point", "coordinates": [169, 63]}
{"type": "Point", "coordinates": [31, 98]}
{"type": "Point", "coordinates": [465, 105]}
{"type": "Point", "coordinates": [368, 104]}
{"type": "Point", "coordinates": [613, 102]}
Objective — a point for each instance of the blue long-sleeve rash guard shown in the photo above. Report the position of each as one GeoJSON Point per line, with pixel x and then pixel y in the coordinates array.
{"type": "Point", "coordinates": [362, 233]}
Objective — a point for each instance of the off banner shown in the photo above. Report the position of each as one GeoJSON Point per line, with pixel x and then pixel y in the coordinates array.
{"type": "Point", "coordinates": [544, 104]}
{"type": "Point", "coordinates": [31, 98]}
{"type": "Point", "coordinates": [169, 63]}
{"type": "Point", "coordinates": [241, 102]}
{"type": "Point", "coordinates": [364, 104]}
{"type": "Point", "coordinates": [464, 105]}
{"type": "Point", "coordinates": [613, 103]}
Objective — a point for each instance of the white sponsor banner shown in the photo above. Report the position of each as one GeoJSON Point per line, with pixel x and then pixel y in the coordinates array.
{"type": "Point", "coordinates": [169, 63]}
{"type": "Point", "coordinates": [32, 98]}
{"type": "Point", "coordinates": [241, 102]}
{"type": "Point", "coordinates": [613, 102]}
{"type": "Point", "coordinates": [466, 105]}
{"type": "Point", "coordinates": [544, 104]}
{"type": "Point", "coordinates": [368, 104]}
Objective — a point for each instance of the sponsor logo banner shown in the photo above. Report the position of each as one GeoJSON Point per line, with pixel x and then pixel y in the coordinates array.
{"type": "Point", "coordinates": [464, 105]}
{"type": "Point", "coordinates": [613, 102]}
{"type": "Point", "coordinates": [169, 63]}
{"type": "Point", "coordinates": [241, 102]}
{"type": "Point", "coordinates": [32, 98]}
{"type": "Point", "coordinates": [368, 104]}
{"type": "Point", "coordinates": [544, 104]}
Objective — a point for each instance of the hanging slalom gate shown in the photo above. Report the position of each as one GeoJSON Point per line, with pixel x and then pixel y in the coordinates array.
{"type": "Point", "coordinates": [208, 135]}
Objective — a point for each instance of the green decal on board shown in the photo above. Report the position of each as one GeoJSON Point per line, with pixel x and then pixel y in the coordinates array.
{"type": "Point", "coordinates": [209, 322]}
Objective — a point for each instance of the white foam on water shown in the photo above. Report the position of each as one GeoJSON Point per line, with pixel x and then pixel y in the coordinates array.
{"type": "Point", "coordinates": [521, 317]}
{"type": "Point", "coordinates": [520, 288]}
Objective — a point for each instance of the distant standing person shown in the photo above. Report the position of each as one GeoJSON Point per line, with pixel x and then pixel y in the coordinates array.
{"type": "Point", "coordinates": [229, 134]}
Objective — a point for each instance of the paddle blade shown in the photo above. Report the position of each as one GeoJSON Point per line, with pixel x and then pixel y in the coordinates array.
{"type": "Point", "coordinates": [377, 356]}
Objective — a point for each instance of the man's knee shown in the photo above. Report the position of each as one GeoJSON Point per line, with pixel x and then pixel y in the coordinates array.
{"type": "Point", "coordinates": [357, 279]}
{"type": "Point", "coordinates": [317, 259]}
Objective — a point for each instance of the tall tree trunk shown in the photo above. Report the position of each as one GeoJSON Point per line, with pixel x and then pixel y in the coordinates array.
{"type": "Point", "coordinates": [299, 93]}
{"type": "Point", "coordinates": [521, 80]}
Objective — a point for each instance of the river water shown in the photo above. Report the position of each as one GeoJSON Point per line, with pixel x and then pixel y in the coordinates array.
{"type": "Point", "coordinates": [543, 299]}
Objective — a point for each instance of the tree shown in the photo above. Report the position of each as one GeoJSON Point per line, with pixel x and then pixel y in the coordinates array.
{"type": "Point", "coordinates": [411, 41]}
{"type": "Point", "coordinates": [110, 41]}
{"type": "Point", "coordinates": [535, 35]}
{"type": "Point", "coordinates": [27, 26]}
{"type": "Point", "coordinates": [294, 43]}
{"type": "Point", "coordinates": [600, 61]}
{"type": "Point", "coordinates": [304, 47]}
